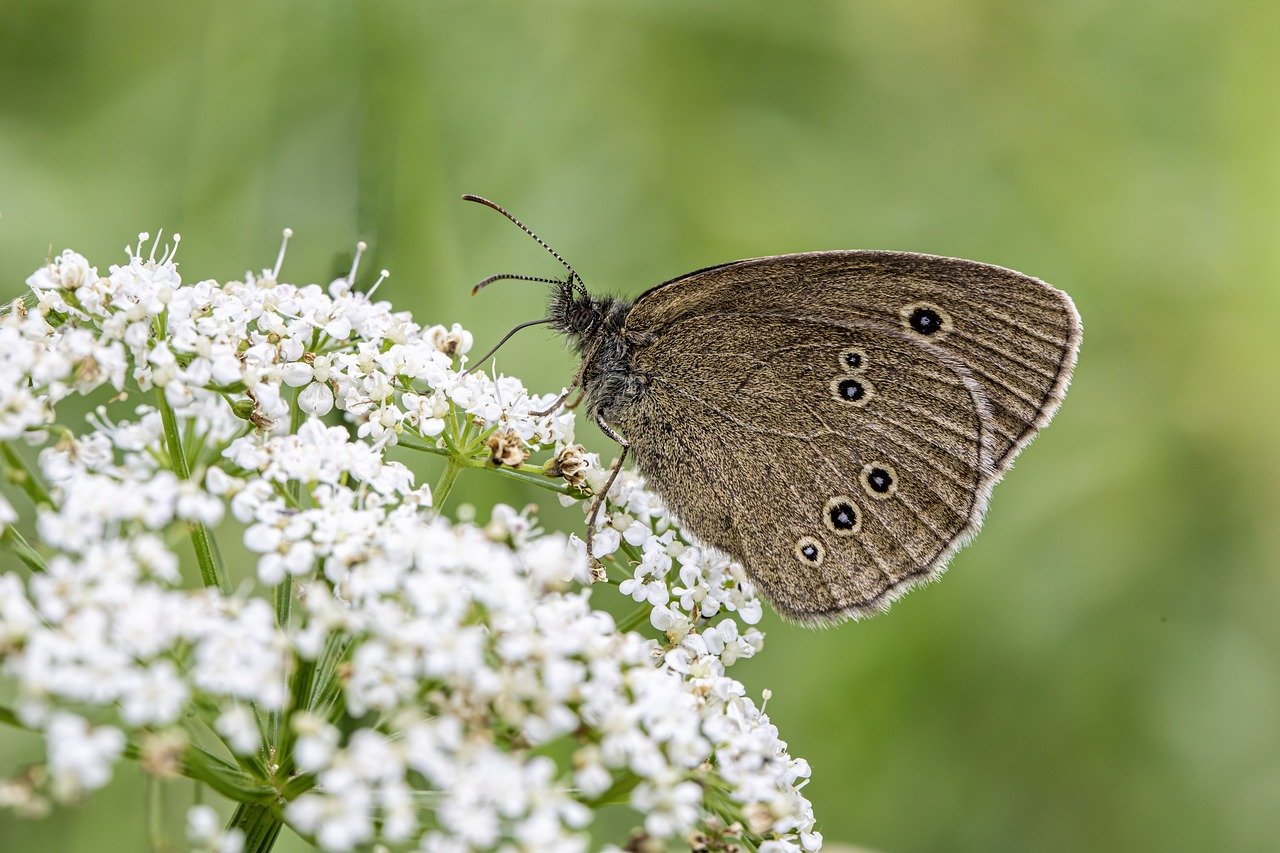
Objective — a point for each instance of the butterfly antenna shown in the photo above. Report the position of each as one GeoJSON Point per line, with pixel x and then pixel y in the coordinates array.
{"type": "Point", "coordinates": [573, 274]}
{"type": "Point", "coordinates": [482, 359]}
{"type": "Point", "coordinates": [511, 277]}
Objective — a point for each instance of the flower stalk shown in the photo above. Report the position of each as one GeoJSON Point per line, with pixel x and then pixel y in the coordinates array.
{"type": "Point", "coordinates": [261, 825]}
{"type": "Point", "coordinates": [211, 574]}
{"type": "Point", "coordinates": [19, 473]}
{"type": "Point", "coordinates": [534, 475]}
{"type": "Point", "coordinates": [15, 542]}
{"type": "Point", "coordinates": [444, 485]}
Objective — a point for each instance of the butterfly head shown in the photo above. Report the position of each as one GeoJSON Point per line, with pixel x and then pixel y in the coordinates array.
{"type": "Point", "coordinates": [581, 317]}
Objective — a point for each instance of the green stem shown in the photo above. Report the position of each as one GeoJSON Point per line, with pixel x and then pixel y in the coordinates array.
{"type": "Point", "coordinates": [464, 436]}
{"type": "Point", "coordinates": [534, 475]}
{"type": "Point", "coordinates": [424, 448]}
{"type": "Point", "coordinates": [635, 618]}
{"type": "Point", "coordinates": [296, 415]}
{"type": "Point", "coordinates": [297, 786]}
{"type": "Point", "coordinates": [155, 815]}
{"type": "Point", "coordinates": [326, 683]}
{"type": "Point", "coordinates": [618, 793]}
{"type": "Point", "coordinates": [210, 572]}
{"type": "Point", "coordinates": [225, 778]}
{"type": "Point", "coordinates": [300, 687]}
{"type": "Point", "coordinates": [284, 600]}
{"type": "Point", "coordinates": [28, 301]}
{"type": "Point", "coordinates": [196, 763]}
{"type": "Point", "coordinates": [261, 825]}
{"type": "Point", "coordinates": [20, 547]}
{"type": "Point", "coordinates": [23, 477]}
{"type": "Point", "coordinates": [716, 798]}
{"type": "Point", "coordinates": [448, 440]}
{"type": "Point", "coordinates": [445, 485]}
{"type": "Point", "coordinates": [295, 421]}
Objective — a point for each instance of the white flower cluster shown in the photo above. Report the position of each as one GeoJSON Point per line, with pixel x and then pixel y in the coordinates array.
{"type": "Point", "coordinates": [687, 586]}
{"type": "Point", "coordinates": [379, 675]}
{"type": "Point", "coordinates": [258, 338]}
{"type": "Point", "coordinates": [479, 654]}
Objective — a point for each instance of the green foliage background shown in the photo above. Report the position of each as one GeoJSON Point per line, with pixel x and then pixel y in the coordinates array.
{"type": "Point", "coordinates": [1099, 671]}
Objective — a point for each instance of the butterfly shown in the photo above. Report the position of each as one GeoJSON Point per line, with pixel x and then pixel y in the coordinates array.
{"type": "Point", "coordinates": [835, 421]}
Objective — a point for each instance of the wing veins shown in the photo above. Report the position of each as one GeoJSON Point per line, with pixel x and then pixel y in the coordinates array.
{"type": "Point", "coordinates": [876, 320]}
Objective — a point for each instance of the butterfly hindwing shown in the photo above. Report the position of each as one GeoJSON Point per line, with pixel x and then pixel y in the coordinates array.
{"type": "Point", "coordinates": [840, 461]}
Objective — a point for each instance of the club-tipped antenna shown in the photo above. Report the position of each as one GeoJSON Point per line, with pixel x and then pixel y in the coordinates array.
{"type": "Point", "coordinates": [511, 277]}
{"type": "Point", "coordinates": [482, 359]}
{"type": "Point", "coordinates": [573, 274]}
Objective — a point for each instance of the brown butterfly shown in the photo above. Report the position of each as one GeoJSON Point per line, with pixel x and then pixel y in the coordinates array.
{"type": "Point", "coordinates": [835, 421]}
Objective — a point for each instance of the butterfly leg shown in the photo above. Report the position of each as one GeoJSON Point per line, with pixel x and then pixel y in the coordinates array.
{"type": "Point", "coordinates": [608, 430]}
{"type": "Point", "coordinates": [559, 401]}
{"type": "Point", "coordinates": [575, 384]}
{"type": "Point", "coordinates": [597, 570]}
{"type": "Point", "coordinates": [578, 384]}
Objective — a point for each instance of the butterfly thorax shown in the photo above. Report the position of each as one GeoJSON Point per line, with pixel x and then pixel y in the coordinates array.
{"type": "Point", "coordinates": [594, 327]}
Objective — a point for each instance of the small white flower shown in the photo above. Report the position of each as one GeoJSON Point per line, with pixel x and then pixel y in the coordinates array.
{"type": "Point", "coordinates": [297, 374]}
{"type": "Point", "coordinates": [317, 742]}
{"type": "Point", "coordinates": [453, 341]}
{"type": "Point", "coordinates": [642, 587]}
{"type": "Point", "coordinates": [67, 271]}
{"type": "Point", "coordinates": [262, 538]}
{"type": "Point", "coordinates": [206, 834]}
{"type": "Point", "coordinates": [202, 823]}
{"type": "Point", "coordinates": [80, 757]}
{"type": "Point", "coordinates": [668, 811]}
{"type": "Point", "coordinates": [155, 694]}
{"type": "Point", "coordinates": [605, 542]}
{"type": "Point", "coordinates": [671, 622]}
{"type": "Point", "coordinates": [316, 399]}
{"type": "Point", "coordinates": [239, 726]}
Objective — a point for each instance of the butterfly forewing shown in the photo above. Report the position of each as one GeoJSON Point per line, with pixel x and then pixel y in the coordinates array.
{"type": "Point", "coordinates": [1016, 335]}
{"type": "Point", "coordinates": [849, 458]}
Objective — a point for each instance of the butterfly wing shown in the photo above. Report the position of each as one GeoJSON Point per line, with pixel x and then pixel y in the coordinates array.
{"type": "Point", "coordinates": [1016, 335]}
{"type": "Point", "coordinates": [836, 486]}
{"type": "Point", "coordinates": [852, 452]}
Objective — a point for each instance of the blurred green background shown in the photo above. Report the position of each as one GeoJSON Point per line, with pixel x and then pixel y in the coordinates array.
{"type": "Point", "coordinates": [1099, 670]}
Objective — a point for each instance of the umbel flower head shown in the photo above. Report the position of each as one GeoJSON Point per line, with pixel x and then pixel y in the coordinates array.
{"type": "Point", "coordinates": [228, 572]}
